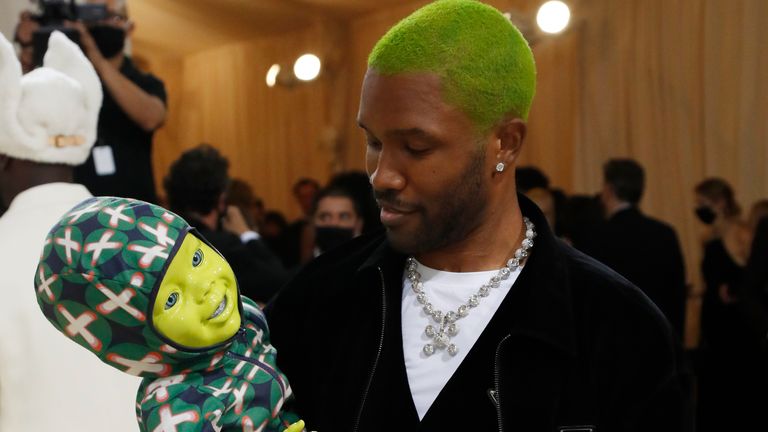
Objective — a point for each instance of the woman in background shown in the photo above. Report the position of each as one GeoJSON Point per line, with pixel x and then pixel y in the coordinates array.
{"type": "Point", "coordinates": [730, 369]}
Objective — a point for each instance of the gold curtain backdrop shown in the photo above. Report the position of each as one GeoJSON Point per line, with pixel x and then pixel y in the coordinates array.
{"type": "Point", "coordinates": [679, 85]}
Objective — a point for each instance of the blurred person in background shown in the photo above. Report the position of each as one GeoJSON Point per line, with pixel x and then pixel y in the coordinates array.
{"type": "Point", "coordinates": [47, 126]}
{"type": "Point", "coordinates": [544, 199]}
{"type": "Point", "coordinates": [336, 219]}
{"type": "Point", "coordinates": [756, 287]}
{"type": "Point", "coordinates": [755, 292]}
{"type": "Point", "coordinates": [726, 250]}
{"type": "Point", "coordinates": [134, 105]}
{"type": "Point", "coordinates": [529, 177]}
{"type": "Point", "coordinates": [272, 231]}
{"type": "Point", "coordinates": [581, 219]}
{"type": "Point", "coordinates": [274, 224]}
{"type": "Point", "coordinates": [358, 184]}
{"type": "Point", "coordinates": [240, 194]}
{"type": "Point", "coordinates": [730, 365]}
{"type": "Point", "coordinates": [195, 186]}
{"type": "Point", "coordinates": [532, 182]}
{"type": "Point", "coordinates": [304, 191]}
{"type": "Point", "coordinates": [297, 239]}
{"type": "Point", "coordinates": [757, 213]}
{"type": "Point", "coordinates": [628, 238]}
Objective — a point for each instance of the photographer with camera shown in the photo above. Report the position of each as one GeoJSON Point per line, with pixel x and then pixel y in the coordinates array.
{"type": "Point", "coordinates": [134, 102]}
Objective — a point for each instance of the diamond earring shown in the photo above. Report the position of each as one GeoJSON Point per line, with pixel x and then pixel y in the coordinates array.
{"type": "Point", "coordinates": [500, 167]}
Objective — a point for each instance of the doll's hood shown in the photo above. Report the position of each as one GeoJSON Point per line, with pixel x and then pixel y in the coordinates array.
{"type": "Point", "coordinates": [96, 282]}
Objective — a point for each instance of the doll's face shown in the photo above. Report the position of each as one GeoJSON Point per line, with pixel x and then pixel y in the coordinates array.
{"type": "Point", "coordinates": [197, 302]}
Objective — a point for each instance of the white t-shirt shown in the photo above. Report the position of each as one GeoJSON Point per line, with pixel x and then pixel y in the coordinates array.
{"type": "Point", "coordinates": [427, 375]}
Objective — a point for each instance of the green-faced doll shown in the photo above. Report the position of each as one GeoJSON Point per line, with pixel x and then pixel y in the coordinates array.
{"type": "Point", "coordinates": [141, 289]}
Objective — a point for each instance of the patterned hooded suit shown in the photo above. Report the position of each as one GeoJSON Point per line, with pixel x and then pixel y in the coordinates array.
{"type": "Point", "coordinates": [99, 273]}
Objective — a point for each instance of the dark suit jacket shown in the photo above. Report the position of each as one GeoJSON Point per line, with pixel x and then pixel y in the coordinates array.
{"type": "Point", "coordinates": [573, 344]}
{"type": "Point", "coordinates": [647, 252]}
{"type": "Point", "coordinates": [259, 272]}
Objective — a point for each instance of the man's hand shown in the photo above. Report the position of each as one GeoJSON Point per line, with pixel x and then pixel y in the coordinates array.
{"type": "Point", "coordinates": [26, 29]}
{"type": "Point", "coordinates": [234, 221]}
{"type": "Point", "coordinates": [25, 32]}
{"type": "Point", "coordinates": [88, 44]}
{"type": "Point", "coordinates": [146, 110]}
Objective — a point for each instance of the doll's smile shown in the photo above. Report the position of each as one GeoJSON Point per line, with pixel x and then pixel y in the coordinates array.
{"type": "Point", "coordinates": [224, 309]}
{"type": "Point", "coordinates": [219, 309]}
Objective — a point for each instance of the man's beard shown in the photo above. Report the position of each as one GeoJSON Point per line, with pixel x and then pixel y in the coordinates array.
{"type": "Point", "coordinates": [457, 212]}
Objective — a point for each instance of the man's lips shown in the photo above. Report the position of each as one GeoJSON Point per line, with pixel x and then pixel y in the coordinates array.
{"type": "Point", "coordinates": [391, 215]}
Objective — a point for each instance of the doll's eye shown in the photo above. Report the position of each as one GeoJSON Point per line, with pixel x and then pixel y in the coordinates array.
{"type": "Point", "coordinates": [172, 299]}
{"type": "Point", "coordinates": [197, 258]}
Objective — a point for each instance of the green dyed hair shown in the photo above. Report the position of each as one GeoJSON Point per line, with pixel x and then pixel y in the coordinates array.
{"type": "Point", "coordinates": [485, 64]}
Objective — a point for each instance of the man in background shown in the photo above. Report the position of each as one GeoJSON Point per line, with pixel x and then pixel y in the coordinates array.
{"type": "Point", "coordinates": [296, 245]}
{"type": "Point", "coordinates": [134, 106]}
{"type": "Point", "coordinates": [337, 219]}
{"type": "Point", "coordinates": [196, 186]}
{"type": "Point", "coordinates": [47, 126]}
{"type": "Point", "coordinates": [642, 249]}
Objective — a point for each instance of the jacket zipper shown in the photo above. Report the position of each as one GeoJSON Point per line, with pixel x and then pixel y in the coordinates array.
{"type": "Point", "coordinates": [378, 353]}
{"type": "Point", "coordinates": [495, 393]}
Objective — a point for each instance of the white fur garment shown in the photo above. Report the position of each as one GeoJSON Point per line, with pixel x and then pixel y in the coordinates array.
{"type": "Point", "coordinates": [61, 98]}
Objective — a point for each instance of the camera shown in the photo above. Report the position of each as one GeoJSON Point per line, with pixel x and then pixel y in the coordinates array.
{"type": "Point", "coordinates": [53, 14]}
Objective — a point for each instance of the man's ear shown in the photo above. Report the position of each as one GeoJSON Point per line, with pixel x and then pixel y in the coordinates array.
{"type": "Point", "coordinates": [510, 134]}
{"type": "Point", "coordinates": [130, 26]}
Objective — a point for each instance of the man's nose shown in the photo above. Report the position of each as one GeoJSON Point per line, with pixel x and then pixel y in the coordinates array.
{"type": "Point", "coordinates": [387, 175]}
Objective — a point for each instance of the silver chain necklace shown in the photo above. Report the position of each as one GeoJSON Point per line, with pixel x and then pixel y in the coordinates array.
{"type": "Point", "coordinates": [446, 322]}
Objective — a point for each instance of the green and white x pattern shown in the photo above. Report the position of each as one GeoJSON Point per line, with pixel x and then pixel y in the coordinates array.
{"type": "Point", "coordinates": [100, 268]}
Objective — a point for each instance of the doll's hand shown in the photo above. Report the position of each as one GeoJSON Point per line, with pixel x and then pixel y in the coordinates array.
{"type": "Point", "coordinates": [296, 427]}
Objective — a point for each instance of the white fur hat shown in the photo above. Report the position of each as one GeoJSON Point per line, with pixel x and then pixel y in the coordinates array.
{"type": "Point", "coordinates": [49, 115]}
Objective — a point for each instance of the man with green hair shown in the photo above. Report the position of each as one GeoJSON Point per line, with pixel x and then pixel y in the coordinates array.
{"type": "Point", "coordinates": [468, 313]}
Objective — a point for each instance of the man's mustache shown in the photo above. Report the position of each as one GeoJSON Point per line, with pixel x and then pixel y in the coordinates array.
{"type": "Point", "coordinates": [389, 198]}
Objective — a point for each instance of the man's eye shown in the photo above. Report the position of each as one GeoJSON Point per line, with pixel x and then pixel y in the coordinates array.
{"type": "Point", "coordinates": [416, 151]}
{"type": "Point", "coordinates": [197, 258]}
{"type": "Point", "coordinates": [172, 299]}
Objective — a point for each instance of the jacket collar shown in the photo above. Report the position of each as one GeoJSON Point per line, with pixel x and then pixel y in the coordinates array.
{"type": "Point", "coordinates": [543, 285]}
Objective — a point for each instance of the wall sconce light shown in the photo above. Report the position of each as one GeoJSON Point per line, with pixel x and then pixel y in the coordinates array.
{"type": "Point", "coordinates": [306, 68]}
{"type": "Point", "coordinates": [553, 17]}
{"type": "Point", "coordinates": [272, 75]}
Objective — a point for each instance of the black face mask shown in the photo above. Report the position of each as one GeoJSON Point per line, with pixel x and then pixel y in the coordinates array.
{"type": "Point", "coordinates": [327, 238]}
{"type": "Point", "coordinates": [110, 40]}
{"type": "Point", "coordinates": [706, 215]}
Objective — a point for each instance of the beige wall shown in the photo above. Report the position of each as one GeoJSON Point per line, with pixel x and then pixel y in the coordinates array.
{"type": "Point", "coordinates": [272, 136]}
{"type": "Point", "coordinates": [9, 15]}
